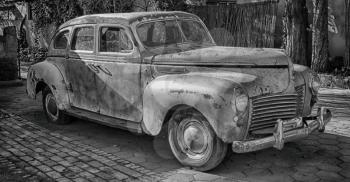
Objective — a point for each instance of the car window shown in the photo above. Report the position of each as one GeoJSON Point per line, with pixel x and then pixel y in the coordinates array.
{"type": "Point", "coordinates": [83, 39]}
{"type": "Point", "coordinates": [61, 40]}
{"type": "Point", "coordinates": [160, 33]}
{"type": "Point", "coordinates": [194, 32]}
{"type": "Point", "coordinates": [114, 39]}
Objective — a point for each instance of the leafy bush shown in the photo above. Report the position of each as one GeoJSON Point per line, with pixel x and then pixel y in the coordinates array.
{"type": "Point", "coordinates": [38, 54]}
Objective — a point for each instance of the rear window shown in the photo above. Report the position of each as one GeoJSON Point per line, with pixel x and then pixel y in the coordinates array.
{"type": "Point", "coordinates": [83, 39]}
{"type": "Point", "coordinates": [61, 40]}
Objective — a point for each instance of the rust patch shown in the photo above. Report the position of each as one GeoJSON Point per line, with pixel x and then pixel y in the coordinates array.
{"type": "Point", "coordinates": [207, 96]}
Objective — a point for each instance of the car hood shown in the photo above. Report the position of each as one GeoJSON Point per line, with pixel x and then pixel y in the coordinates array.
{"type": "Point", "coordinates": [221, 56]}
{"type": "Point", "coordinates": [259, 70]}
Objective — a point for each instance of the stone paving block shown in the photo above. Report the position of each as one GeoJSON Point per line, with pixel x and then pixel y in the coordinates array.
{"type": "Point", "coordinates": [257, 172]}
{"type": "Point", "coordinates": [328, 175]}
{"type": "Point", "coordinates": [345, 152]}
{"type": "Point", "coordinates": [87, 175]}
{"type": "Point", "coordinates": [59, 168]}
{"type": "Point", "coordinates": [53, 174]}
{"type": "Point", "coordinates": [344, 146]}
{"type": "Point", "coordinates": [118, 175]}
{"type": "Point", "coordinates": [44, 168]}
{"type": "Point", "coordinates": [80, 180]}
{"type": "Point", "coordinates": [75, 169]}
{"type": "Point", "coordinates": [104, 175]}
{"type": "Point", "coordinates": [306, 169]}
{"type": "Point", "coordinates": [180, 178]}
{"type": "Point", "coordinates": [95, 164]}
{"type": "Point", "coordinates": [345, 173]}
{"type": "Point", "coordinates": [345, 158]}
{"type": "Point", "coordinates": [305, 177]}
{"type": "Point", "coordinates": [127, 171]}
{"type": "Point", "coordinates": [97, 179]}
{"type": "Point", "coordinates": [65, 163]}
{"type": "Point", "coordinates": [329, 167]}
{"type": "Point", "coordinates": [63, 180]}
{"type": "Point", "coordinates": [92, 170]}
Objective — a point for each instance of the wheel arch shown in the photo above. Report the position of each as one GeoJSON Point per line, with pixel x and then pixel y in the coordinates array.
{"type": "Point", "coordinates": [40, 86]}
{"type": "Point", "coordinates": [47, 74]}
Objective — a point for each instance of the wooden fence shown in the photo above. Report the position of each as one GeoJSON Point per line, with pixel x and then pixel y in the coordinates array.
{"type": "Point", "coordinates": [241, 25]}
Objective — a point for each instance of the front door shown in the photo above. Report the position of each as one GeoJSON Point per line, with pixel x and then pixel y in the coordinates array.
{"type": "Point", "coordinates": [118, 80]}
{"type": "Point", "coordinates": [81, 74]}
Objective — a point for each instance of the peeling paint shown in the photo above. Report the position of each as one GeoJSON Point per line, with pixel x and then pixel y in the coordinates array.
{"type": "Point", "coordinates": [141, 87]}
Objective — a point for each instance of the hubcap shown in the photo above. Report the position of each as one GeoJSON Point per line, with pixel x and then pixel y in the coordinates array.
{"type": "Point", "coordinates": [51, 106]}
{"type": "Point", "coordinates": [193, 138]}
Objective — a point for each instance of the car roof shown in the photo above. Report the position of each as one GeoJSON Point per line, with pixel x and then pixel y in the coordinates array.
{"type": "Point", "coordinates": [124, 18]}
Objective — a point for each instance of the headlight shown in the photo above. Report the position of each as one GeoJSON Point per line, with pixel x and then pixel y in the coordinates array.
{"type": "Point", "coordinates": [314, 83]}
{"type": "Point", "coordinates": [240, 100]}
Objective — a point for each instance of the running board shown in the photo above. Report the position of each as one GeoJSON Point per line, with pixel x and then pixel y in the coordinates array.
{"type": "Point", "coordinates": [131, 126]}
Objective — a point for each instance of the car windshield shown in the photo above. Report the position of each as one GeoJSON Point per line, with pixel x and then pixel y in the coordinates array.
{"type": "Point", "coordinates": [173, 32]}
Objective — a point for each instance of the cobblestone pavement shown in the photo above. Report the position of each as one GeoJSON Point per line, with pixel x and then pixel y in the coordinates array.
{"type": "Point", "coordinates": [57, 157]}
{"type": "Point", "coordinates": [320, 157]}
{"type": "Point", "coordinates": [37, 154]}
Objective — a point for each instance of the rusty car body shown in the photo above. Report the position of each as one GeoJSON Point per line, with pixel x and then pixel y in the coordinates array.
{"type": "Point", "coordinates": [144, 71]}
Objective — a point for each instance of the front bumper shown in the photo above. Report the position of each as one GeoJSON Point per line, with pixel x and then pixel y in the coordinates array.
{"type": "Point", "coordinates": [286, 131]}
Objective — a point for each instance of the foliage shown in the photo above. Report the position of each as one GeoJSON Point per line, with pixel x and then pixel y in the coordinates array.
{"type": "Point", "coordinates": [106, 6]}
{"type": "Point", "coordinates": [176, 5]}
{"type": "Point", "coordinates": [46, 12]}
{"type": "Point", "coordinates": [38, 54]}
{"type": "Point", "coordinates": [172, 5]}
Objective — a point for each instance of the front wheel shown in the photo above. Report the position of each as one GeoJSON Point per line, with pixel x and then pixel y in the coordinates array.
{"type": "Point", "coordinates": [52, 112]}
{"type": "Point", "coordinates": [193, 141]}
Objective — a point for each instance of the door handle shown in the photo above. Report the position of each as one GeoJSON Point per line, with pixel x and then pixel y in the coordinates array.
{"type": "Point", "coordinates": [97, 68]}
{"type": "Point", "coordinates": [104, 70]}
{"type": "Point", "coordinates": [93, 67]}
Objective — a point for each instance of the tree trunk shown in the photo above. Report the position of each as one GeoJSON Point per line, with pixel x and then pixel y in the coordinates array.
{"type": "Point", "coordinates": [295, 24]}
{"type": "Point", "coordinates": [347, 33]}
{"type": "Point", "coordinates": [320, 36]}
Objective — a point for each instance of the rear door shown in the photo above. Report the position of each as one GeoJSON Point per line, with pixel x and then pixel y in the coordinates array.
{"type": "Point", "coordinates": [119, 80]}
{"type": "Point", "coordinates": [80, 69]}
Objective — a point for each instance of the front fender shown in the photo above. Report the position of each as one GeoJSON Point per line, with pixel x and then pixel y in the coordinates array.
{"type": "Point", "coordinates": [302, 77]}
{"type": "Point", "coordinates": [48, 73]}
{"type": "Point", "coordinates": [209, 93]}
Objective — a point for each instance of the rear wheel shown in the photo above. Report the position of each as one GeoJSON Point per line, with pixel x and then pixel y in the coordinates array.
{"type": "Point", "coordinates": [52, 112]}
{"type": "Point", "coordinates": [193, 141]}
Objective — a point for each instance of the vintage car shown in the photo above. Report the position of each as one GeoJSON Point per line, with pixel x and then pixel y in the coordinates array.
{"type": "Point", "coordinates": [161, 72]}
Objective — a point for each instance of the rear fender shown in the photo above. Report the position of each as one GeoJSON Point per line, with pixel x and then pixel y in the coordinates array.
{"type": "Point", "coordinates": [48, 74]}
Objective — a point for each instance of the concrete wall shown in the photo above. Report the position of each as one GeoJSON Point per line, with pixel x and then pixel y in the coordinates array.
{"type": "Point", "coordinates": [8, 54]}
{"type": "Point", "coordinates": [10, 42]}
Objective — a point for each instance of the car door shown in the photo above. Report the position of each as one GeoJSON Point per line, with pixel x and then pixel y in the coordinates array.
{"type": "Point", "coordinates": [58, 49]}
{"type": "Point", "coordinates": [81, 74]}
{"type": "Point", "coordinates": [118, 80]}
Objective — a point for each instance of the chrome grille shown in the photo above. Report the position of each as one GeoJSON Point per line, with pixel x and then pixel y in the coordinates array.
{"type": "Point", "coordinates": [300, 100]}
{"type": "Point", "coordinates": [268, 109]}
